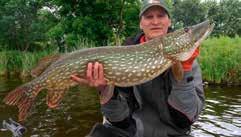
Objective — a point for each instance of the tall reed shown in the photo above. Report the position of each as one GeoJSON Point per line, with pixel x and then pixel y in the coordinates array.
{"type": "Point", "coordinates": [220, 60]}
{"type": "Point", "coordinates": [19, 63]}
{"type": "Point", "coordinates": [3, 63]}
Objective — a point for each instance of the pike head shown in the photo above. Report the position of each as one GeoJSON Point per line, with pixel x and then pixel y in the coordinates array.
{"type": "Point", "coordinates": [181, 44]}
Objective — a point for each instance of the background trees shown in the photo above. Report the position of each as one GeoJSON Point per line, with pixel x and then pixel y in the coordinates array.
{"type": "Point", "coordinates": [22, 24]}
{"type": "Point", "coordinates": [101, 21]}
{"type": "Point", "coordinates": [32, 25]}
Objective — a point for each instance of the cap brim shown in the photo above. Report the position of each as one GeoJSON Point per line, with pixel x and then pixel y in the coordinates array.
{"type": "Point", "coordinates": [151, 5]}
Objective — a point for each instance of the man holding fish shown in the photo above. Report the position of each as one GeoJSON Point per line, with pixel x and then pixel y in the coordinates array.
{"type": "Point", "coordinates": [166, 106]}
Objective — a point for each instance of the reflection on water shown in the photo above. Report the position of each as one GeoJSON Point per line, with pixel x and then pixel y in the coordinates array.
{"type": "Point", "coordinates": [79, 111]}
{"type": "Point", "coordinates": [75, 116]}
{"type": "Point", "coordinates": [222, 115]}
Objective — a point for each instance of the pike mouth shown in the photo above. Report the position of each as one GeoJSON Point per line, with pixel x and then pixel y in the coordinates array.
{"type": "Point", "coordinates": [201, 31]}
{"type": "Point", "coordinates": [207, 33]}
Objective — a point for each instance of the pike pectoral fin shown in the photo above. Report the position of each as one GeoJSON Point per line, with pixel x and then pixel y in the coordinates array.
{"type": "Point", "coordinates": [54, 97]}
{"type": "Point", "coordinates": [43, 64]}
{"type": "Point", "coordinates": [106, 94]}
{"type": "Point", "coordinates": [177, 71]}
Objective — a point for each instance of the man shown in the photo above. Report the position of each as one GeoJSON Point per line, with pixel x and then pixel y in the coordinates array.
{"type": "Point", "coordinates": [161, 107]}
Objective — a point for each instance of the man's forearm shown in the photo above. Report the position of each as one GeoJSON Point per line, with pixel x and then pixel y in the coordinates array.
{"type": "Point", "coordinates": [187, 95]}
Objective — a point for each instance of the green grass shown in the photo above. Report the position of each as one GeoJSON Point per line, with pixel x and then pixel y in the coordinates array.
{"type": "Point", "coordinates": [19, 63]}
{"type": "Point", "coordinates": [220, 60]}
{"type": "Point", "coordinates": [3, 63]}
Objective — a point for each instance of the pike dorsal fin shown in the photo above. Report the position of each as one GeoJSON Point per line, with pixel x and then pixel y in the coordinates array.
{"type": "Point", "coordinates": [43, 64]}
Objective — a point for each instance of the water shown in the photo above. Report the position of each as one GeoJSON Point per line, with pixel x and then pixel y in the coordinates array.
{"type": "Point", "coordinates": [79, 111]}
{"type": "Point", "coordinates": [222, 115]}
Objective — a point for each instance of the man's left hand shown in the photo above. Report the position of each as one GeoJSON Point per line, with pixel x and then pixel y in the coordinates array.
{"type": "Point", "coordinates": [187, 65]}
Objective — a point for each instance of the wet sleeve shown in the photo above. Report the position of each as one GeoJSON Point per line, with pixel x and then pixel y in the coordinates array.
{"type": "Point", "coordinates": [187, 95]}
{"type": "Point", "coordinates": [116, 109]}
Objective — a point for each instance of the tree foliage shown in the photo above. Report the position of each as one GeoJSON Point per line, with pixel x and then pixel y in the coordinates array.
{"type": "Point", "coordinates": [22, 24]}
{"type": "Point", "coordinates": [188, 12]}
{"type": "Point", "coordinates": [227, 17]}
{"type": "Point", "coordinates": [35, 24]}
{"type": "Point", "coordinates": [98, 20]}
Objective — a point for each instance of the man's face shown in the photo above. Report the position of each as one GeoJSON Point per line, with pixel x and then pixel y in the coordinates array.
{"type": "Point", "coordinates": [154, 22]}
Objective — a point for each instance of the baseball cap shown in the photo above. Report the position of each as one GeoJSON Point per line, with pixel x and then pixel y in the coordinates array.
{"type": "Point", "coordinates": [146, 4]}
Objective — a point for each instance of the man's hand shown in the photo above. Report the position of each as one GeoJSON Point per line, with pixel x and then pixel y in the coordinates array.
{"type": "Point", "coordinates": [94, 76]}
{"type": "Point", "coordinates": [187, 65]}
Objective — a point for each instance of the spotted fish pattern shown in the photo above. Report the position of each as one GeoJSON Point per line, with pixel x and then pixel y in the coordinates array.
{"type": "Point", "coordinates": [123, 66]}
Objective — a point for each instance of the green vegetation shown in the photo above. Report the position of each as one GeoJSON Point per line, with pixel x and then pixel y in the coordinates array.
{"type": "Point", "coordinates": [31, 29]}
{"type": "Point", "coordinates": [220, 60]}
{"type": "Point", "coordinates": [19, 63]}
{"type": "Point", "coordinates": [30, 25]}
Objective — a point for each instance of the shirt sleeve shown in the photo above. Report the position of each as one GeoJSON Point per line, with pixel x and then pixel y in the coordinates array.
{"type": "Point", "coordinates": [187, 95]}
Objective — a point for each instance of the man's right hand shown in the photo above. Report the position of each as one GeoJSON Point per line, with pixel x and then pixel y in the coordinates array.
{"type": "Point", "coordinates": [94, 76]}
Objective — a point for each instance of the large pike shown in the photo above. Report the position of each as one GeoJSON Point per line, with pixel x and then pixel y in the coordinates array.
{"type": "Point", "coordinates": [123, 65]}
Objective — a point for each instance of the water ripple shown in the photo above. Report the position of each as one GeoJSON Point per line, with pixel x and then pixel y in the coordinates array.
{"type": "Point", "coordinates": [80, 110]}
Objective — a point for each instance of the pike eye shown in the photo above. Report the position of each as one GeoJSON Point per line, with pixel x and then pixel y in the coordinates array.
{"type": "Point", "coordinates": [186, 29]}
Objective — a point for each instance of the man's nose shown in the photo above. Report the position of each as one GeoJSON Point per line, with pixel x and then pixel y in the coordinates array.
{"type": "Point", "coordinates": [156, 20]}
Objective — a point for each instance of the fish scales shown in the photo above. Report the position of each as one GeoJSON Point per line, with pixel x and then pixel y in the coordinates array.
{"type": "Point", "coordinates": [124, 66]}
{"type": "Point", "coordinates": [115, 61]}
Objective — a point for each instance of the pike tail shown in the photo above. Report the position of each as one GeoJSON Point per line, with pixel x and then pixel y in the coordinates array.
{"type": "Point", "coordinates": [23, 97]}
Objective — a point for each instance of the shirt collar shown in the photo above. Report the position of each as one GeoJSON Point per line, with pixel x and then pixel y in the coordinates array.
{"type": "Point", "coordinates": [142, 39]}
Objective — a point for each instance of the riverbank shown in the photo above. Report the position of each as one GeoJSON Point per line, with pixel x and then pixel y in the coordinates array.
{"type": "Point", "coordinates": [219, 60]}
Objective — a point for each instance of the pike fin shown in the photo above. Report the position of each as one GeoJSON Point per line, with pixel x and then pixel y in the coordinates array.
{"type": "Point", "coordinates": [106, 94]}
{"type": "Point", "coordinates": [54, 97]}
{"type": "Point", "coordinates": [23, 97]}
{"type": "Point", "coordinates": [43, 64]}
{"type": "Point", "coordinates": [177, 71]}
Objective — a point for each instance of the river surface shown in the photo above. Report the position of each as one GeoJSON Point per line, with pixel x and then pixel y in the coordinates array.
{"type": "Point", "coordinates": [80, 110]}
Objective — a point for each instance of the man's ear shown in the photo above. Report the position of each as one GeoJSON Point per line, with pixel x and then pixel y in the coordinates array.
{"type": "Point", "coordinates": [170, 23]}
{"type": "Point", "coordinates": [140, 25]}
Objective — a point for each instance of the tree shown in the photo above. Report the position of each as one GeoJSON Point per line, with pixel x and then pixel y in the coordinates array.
{"type": "Point", "coordinates": [98, 20]}
{"type": "Point", "coordinates": [226, 16]}
{"type": "Point", "coordinates": [22, 24]}
{"type": "Point", "coordinates": [188, 12]}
